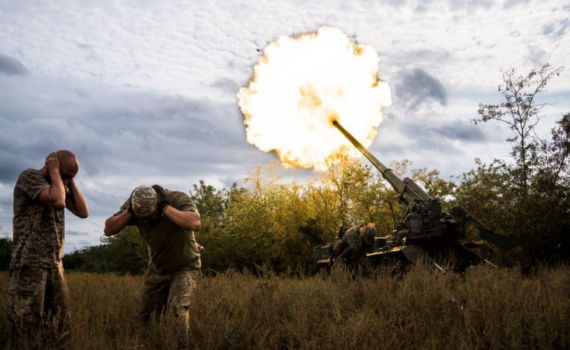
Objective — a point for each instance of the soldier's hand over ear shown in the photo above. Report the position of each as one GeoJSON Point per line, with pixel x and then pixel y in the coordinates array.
{"type": "Point", "coordinates": [52, 162]}
{"type": "Point", "coordinates": [163, 201]}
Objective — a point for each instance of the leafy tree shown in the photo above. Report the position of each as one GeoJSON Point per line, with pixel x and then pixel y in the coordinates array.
{"type": "Point", "coordinates": [553, 166]}
{"type": "Point", "coordinates": [260, 223]}
{"type": "Point", "coordinates": [521, 112]}
{"type": "Point", "coordinates": [6, 245]}
{"type": "Point", "coordinates": [551, 194]}
{"type": "Point", "coordinates": [127, 250]}
{"type": "Point", "coordinates": [433, 184]}
{"type": "Point", "coordinates": [529, 196]}
{"type": "Point", "coordinates": [211, 204]}
{"type": "Point", "coordinates": [96, 259]}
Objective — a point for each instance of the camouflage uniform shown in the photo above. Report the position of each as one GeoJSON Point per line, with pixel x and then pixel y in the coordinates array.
{"type": "Point", "coordinates": [354, 244]}
{"type": "Point", "coordinates": [174, 265]}
{"type": "Point", "coordinates": [37, 287]}
{"type": "Point", "coordinates": [170, 294]}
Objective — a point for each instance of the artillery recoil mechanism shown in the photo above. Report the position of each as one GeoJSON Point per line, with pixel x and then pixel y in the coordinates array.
{"type": "Point", "coordinates": [425, 232]}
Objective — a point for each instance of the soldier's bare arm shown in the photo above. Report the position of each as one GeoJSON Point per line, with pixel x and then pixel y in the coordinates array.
{"type": "Point", "coordinates": [53, 196]}
{"type": "Point", "coordinates": [117, 223]}
{"type": "Point", "coordinates": [75, 202]}
{"type": "Point", "coordinates": [186, 219]}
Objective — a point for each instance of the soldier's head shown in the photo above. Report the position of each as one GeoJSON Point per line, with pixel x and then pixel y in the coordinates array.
{"type": "Point", "coordinates": [68, 165]}
{"type": "Point", "coordinates": [144, 202]}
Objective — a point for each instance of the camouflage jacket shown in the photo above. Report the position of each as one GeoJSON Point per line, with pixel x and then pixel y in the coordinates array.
{"type": "Point", "coordinates": [357, 243]}
{"type": "Point", "coordinates": [39, 230]}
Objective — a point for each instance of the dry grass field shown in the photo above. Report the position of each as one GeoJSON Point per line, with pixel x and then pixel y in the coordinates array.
{"type": "Point", "coordinates": [486, 309]}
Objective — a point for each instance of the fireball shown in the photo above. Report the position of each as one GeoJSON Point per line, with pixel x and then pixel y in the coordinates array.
{"type": "Point", "coordinates": [301, 85]}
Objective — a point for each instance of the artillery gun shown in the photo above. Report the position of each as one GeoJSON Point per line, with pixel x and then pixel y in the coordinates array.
{"type": "Point", "coordinates": [425, 232]}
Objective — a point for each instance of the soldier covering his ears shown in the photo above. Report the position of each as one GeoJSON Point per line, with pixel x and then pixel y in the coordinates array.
{"type": "Point", "coordinates": [37, 291]}
{"type": "Point", "coordinates": [166, 221]}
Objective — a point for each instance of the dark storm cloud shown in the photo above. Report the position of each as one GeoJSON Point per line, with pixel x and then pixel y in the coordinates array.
{"type": "Point", "coordinates": [456, 130]}
{"type": "Point", "coordinates": [11, 66]}
{"type": "Point", "coordinates": [383, 148]}
{"type": "Point", "coordinates": [111, 127]}
{"type": "Point", "coordinates": [75, 233]}
{"type": "Point", "coordinates": [433, 142]}
{"type": "Point", "coordinates": [12, 165]}
{"type": "Point", "coordinates": [418, 86]}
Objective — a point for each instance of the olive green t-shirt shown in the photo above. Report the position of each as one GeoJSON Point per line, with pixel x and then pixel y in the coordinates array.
{"type": "Point", "coordinates": [170, 247]}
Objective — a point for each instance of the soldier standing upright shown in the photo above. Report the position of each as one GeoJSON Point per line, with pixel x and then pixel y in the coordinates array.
{"type": "Point", "coordinates": [166, 221]}
{"type": "Point", "coordinates": [37, 290]}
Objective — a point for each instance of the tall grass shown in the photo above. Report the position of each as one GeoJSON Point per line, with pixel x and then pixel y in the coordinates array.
{"type": "Point", "coordinates": [486, 309]}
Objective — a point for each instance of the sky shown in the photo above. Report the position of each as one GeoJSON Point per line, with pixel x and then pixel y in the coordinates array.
{"type": "Point", "coordinates": [144, 92]}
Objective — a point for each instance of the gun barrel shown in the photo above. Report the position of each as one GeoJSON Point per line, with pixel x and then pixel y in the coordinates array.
{"type": "Point", "coordinates": [381, 167]}
{"type": "Point", "coordinates": [387, 173]}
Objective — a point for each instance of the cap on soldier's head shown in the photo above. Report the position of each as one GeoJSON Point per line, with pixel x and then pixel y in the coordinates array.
{"type": "Point", "coordinates": [144, 201]}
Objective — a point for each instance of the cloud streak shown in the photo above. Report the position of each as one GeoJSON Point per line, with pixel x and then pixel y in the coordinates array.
{"type": "Point", "coordinates": [11, 66]}
{"type": "Point", "coordinates": [75, 233]}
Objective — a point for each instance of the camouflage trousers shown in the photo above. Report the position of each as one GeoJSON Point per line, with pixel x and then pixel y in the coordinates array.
{"type": "Point", "coordinates": [37, 304]}
{"type": "Point", "coordinates": [169, 294]}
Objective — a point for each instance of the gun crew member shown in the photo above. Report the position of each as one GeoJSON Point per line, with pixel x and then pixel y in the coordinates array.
{"type": "Point", "coordinates": [37, 291]}
{"type": "Point", "coordinates": [352, 247]}
{"type": "Point", "coordinates": [166, 221]}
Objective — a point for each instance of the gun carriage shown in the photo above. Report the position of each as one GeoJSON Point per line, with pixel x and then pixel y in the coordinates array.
{"type": "Point", "coordinates": [425, 232]}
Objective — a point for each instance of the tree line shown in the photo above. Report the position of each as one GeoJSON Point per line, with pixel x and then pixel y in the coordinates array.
{"type": "Point", "coordinates": [269, 223]}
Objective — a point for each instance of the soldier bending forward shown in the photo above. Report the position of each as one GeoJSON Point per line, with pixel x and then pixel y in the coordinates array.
{"type": "Point", "coordinates": [351, 248]}
{"type": "Point", "coordinates": [166, 221]}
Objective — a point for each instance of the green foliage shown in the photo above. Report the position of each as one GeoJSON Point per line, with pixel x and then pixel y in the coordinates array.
{"type": "Point", "coordinates": [433, 184]}
{"type": "Point", "coordinates": [211, 203]}
{"type": "Point", "coordinates": [122, 253]}
{"type": "Point", "coordinates": [6, 245]}
{"type": "Point", "coordinates": [128, 250]}
{"type": "Point", "coordinates": [528, 197]}
{"type": "Point", "coordinates": [95, 259]}
{"type": "Point", "coordinates": [521, 112]}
